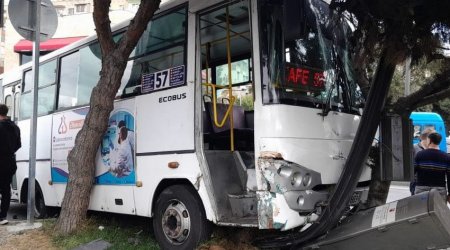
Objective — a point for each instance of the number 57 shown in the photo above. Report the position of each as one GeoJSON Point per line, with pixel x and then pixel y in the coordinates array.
{"type": "Point", "coordinates": [161, 78]}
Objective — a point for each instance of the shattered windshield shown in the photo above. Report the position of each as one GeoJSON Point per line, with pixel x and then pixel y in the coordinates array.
{"type": "Point", "coordinates": [304, 56]}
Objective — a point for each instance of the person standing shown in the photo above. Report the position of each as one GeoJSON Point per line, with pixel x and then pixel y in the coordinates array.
{"type": "Point", "coordinates": [130, 134]}
{"type": "Point", "coordinates": [9, 144]}
{"type": "Point", "coordinates": [431, 166]}
{"type": "Point", "coordinates": [421, 145]}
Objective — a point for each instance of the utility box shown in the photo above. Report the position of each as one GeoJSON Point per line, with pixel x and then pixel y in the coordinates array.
{"type": "Point", "coordinates": [396, 149]}
{"type": "Point", "coordinates": [417, 222]}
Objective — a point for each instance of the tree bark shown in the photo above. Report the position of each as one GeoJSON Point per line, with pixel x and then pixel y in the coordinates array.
{"type": "Point", "coordinates": [378, 191]}
{"type": "Point", "coordinates": [81, 158]}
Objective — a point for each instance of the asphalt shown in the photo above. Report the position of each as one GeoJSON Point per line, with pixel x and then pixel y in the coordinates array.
{"type": "Point", "coordinates": [17, 212]}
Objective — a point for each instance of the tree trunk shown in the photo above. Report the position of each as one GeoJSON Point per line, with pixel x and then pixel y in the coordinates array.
{"type": "Point", "coordinates": [81, 158]}
{"type": "Point", "coordinates": [378, 191]}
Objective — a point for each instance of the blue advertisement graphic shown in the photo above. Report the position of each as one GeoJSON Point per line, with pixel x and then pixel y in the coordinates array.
{"type": "Point", "coordinates": [117, 151]}
{"type": "Point", "coordinates": [115, 163]}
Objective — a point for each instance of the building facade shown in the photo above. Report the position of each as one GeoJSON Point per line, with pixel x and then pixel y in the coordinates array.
{"type": "Point", "coordinates": [74, 23]}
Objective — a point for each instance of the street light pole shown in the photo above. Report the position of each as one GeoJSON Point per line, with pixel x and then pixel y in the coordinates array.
{"type": "Point", "coordinates": [33, 120]}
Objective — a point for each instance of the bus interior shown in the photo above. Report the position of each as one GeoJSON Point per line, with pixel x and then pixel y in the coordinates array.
{"type": "Point", "coordinates": [227, 110]}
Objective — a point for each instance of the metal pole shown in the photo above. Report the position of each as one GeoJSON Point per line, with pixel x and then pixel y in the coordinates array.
{"type": "Point", "coordinates": [33, 120]}
{"type": "Point", "coordinates": [408, 76]}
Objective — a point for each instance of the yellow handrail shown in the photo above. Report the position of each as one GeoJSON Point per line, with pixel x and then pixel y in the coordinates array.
{"type": "Point", "coordinates": [213, 87]}
{"type": "Point", "coordinates": [230, 84]}
{"type": "Point", "coordinates": [214, 102]}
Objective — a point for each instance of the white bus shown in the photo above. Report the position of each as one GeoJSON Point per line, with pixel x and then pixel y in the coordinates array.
{"type": "Point", "coordinates": [188, 143]}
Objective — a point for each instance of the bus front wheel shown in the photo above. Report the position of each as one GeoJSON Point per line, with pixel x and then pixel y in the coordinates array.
{"type": "Point", "coordinates": [180, 220]}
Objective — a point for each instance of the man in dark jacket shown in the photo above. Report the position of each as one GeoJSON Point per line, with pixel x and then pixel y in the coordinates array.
{"type": "Point", "coordinates": [431, 167]}
{"type": "Point", "coordinates": [9, 144]}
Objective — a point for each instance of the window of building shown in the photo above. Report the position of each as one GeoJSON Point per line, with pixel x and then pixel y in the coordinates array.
{"type": "Point", "coordinates": [71, 11]}
{"type": "Point", "coordinates": [24, 58]}
{"type": "Point", "coordinates": [81, 8]}
{"type": "Point", "coordinates": [46, 91]}
{"type": "Point", "coordinates": [60, 9]}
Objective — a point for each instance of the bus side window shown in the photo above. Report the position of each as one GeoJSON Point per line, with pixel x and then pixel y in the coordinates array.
{"type": "Point", "coordinates": [162, 46]}
{"type": "Point", "coordinates": [46, 91]}
{"type": "Point", "coordinates": [80, 72]}
{"type": "Point", "coordinates": [16, 105]}
{"type": "Point", "coordinates": [8, 103]}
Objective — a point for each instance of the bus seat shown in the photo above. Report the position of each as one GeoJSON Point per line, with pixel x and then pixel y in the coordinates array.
{"type": "Point", "coordinates": [220, 136]}
{"type": "Point", "coordinates": [207, 129]}
{"type": "Point", "coordinates": [249, 119]}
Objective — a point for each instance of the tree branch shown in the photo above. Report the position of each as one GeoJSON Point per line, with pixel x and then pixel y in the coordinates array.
{"type": "Point", "coordinates": [438, 88]}
{"type": "Point", "coordinates": [433, 98]}
{"type": "Point", "coordinates": [103, 25]}
{"type": "Point", "coordinates": [138, 25]}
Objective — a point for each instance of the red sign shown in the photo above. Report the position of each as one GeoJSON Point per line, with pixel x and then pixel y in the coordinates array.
{"type": "Point", "coordinates": [304, 78]}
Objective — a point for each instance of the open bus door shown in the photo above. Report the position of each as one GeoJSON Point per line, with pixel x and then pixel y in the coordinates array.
{"type": "Point", "coordinates": [11, 98]}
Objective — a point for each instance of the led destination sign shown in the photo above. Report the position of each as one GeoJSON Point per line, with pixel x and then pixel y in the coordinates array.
{"type": "Point", "coordinates": [304, 78]}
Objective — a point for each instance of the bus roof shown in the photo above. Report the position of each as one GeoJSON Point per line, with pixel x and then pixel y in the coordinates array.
{"type": "Point", "coordinates": [426, 116]}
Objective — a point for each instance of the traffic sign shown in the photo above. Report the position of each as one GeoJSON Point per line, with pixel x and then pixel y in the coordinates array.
{"type": "Point", "coordinates": [23, 15]}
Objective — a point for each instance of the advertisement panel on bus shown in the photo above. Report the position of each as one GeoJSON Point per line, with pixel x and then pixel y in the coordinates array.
{"type": "Point", "coordinates": [115, 157]}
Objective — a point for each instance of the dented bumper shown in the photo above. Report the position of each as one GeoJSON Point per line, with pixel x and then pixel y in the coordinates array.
{"type": "Point", "coordinates": [285, 191]}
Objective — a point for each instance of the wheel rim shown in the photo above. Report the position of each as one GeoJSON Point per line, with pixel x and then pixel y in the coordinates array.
{"type": "Point", "coordinates": [176, 222]}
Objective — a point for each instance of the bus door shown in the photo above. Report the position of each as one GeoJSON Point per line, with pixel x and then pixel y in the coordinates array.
{"type": "Point", "coordinates": [227, 97]}
{"type": "Point", "coordinates": [11, 95]}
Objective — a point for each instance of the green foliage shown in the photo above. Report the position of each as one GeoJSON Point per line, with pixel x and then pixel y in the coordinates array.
{"type": "Point", "coordinates": [422, 72]}
{"type": "Point", "coordinates": [247, 102]}
{"type": "Point", "coordinates": [130, 233]}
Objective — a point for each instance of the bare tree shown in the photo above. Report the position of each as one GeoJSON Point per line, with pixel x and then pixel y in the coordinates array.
{"type": "Point", "coordinates": [81, 159]}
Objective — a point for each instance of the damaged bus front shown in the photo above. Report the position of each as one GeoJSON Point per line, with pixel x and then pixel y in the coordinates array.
{"type": "Point", "coordinates": [309, 114]}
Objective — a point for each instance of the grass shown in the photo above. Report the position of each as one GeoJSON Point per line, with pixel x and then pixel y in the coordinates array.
{"type": "Point", "coordinates": [133, 232]}
{"type": "Point", "coordinates": [122, 233]}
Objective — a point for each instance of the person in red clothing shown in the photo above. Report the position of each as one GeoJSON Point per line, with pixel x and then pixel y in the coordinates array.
{"type": "Point", "coordinates": [9, 144]}
{"type": "Point", "coordinates": [431, 166]}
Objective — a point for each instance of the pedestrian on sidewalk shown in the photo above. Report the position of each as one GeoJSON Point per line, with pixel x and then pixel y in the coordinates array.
{"type": "Point", "coordinates": [431, 166]}
{"type": "Point", "coordinates": [9, 144]}
{"type": "Point", "coordinates": [421, 145]}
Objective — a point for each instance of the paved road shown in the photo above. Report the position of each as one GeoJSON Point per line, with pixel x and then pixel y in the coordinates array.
{"type": "Point", "coordinates": [17, 211]}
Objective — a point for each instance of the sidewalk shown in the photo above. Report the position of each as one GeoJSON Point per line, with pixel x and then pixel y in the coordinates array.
{"type": "Point", "coordinates": [16, 227]}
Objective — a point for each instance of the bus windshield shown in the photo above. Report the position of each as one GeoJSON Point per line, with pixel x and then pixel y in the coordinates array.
{"type": "Point", "coordinates": [305, 57]}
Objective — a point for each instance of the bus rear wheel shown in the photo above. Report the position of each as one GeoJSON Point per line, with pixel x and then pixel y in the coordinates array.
{"type": "Point", "coordinates": [180, 220]}
{"type": "Point", "coordinates": [40, 210]}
